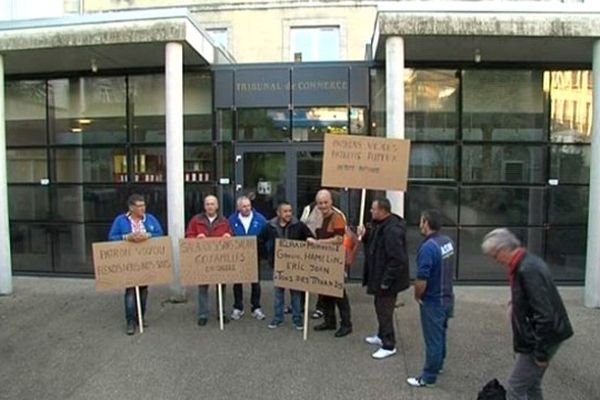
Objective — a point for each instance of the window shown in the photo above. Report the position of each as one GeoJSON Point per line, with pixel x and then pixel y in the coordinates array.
{"type": "Point", "coordinates": [317, 43]}
{"type": "Point", "coordinates": [219, 35]}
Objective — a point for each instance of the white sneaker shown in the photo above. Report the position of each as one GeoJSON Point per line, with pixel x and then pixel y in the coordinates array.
{"type": "Point", "coordinates": [375, 340]}
{"type": "Point", "coordinates": [383, 353]}
{"type": "Point", "coordinates": [258, 314]}
{"type": "Point", "coordinates": [417, 381]}
{"type": "Point", "coordinates": [237, 314]}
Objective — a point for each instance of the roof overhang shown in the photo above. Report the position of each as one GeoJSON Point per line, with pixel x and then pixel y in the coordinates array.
{"type": "Point", "coordinates": [558, 35]}
{"type": "Point", "coordinates": [119, 40]}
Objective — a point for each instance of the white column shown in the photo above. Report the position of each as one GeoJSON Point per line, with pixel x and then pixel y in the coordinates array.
{"type": "Point", "coordinates": [5, 258]}
{"type": "Point", "coordinates": [592, 264]}
{"type": "Point", "coordinates": [174, 128]}
{"type": "Point", "coordinates": [394, 97]}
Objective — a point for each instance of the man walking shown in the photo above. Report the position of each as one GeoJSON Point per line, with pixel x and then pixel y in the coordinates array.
{"type": "Point", "coordinates": [538, 316]}
{"type": "Point", "coordinates": [332, 231]}
{"type": "Point", "coordinates": [284, 226]}
{"type": "Point", "coordinates": [433, 292]}
{"type": "Point", "coordinates": [136, 225]}
{"type": "Point", "coordinates": [386, 271]}
{"type": "Point", "coordinates": [246, 222]}
{"type": "Point", "coordinates": [207, 224]}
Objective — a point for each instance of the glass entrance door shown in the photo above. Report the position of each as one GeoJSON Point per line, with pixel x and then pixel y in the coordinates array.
{"type": "Point", "coordinates": [269, 174]}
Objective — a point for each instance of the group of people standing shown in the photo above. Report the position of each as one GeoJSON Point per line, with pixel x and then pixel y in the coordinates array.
{"type": "Point", "coordinates": [539, 319]}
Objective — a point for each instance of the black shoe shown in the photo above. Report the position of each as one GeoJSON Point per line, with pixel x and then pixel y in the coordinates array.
{"type": "Point", "coordinates": [202, 321]}
{"type": "Point", "coordinates": [343, 331]}
{"type": "Point", "coordinates": [325, 327]}
{"type": "Point", "coordinates": [130, 327]}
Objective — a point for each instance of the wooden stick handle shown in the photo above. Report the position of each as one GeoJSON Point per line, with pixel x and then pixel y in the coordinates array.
{"type": "Point", "coordinates": [138, 303]}
{"type": "Point", "coordinates": [363, 200]}
{"type": "Point", "coordinates": [306, 305]}
{"type": "Point", "coordinates": [220, 286]}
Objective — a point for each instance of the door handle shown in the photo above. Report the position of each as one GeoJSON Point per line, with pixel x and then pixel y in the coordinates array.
{"type": "Point", "coordinates": [238, 158]}
{"type": "Point", "coordinates": [238, 187]}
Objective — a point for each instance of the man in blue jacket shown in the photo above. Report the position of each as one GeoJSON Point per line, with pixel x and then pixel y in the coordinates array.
{"type": "Point", "coordinates": [246, 222]}
{"type": "Point", "coordinates": [434, 293]}
{"type": "Point", "coordinates": [135, 226]}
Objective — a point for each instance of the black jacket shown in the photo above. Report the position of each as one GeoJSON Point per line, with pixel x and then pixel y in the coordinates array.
{"type": "Point", "coordinates": [295, 230]}
{"type": "Point", "coordinates": [539, 318]}
{"type": "Point", "coordinates": [386, 259]}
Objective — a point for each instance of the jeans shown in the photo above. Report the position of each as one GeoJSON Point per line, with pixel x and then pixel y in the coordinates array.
{"type": "Point", "coordinates": [434, 323]}
{"type": "Point", "coordinates": [203, 301]}
{"type": "Point", "coordinates": [525, 382]}
{"type": "Point", "coordinates": [130, 303]}
{"type": "Point", "coordinates": [343, 304]}
{"type": "Point", "coordinates": [238, 296]}
{"type": "Point", "coordinates": [278, 302]}
{"type": "Point", "coordinates": [384, 309]}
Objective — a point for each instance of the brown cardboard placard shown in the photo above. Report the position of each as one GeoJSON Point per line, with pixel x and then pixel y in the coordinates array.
{"type": "Point", "coordinates": [121, 264]}
{"type": "Point", "coordinates": [362, 162]}
{"type": "Point", "coordinates": [218, 260]}
{"type": "Point", "coordinates": [315, 268]}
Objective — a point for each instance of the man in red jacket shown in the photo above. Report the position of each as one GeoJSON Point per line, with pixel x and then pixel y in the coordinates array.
{"type": "Point", "coordinates": [207, 224]}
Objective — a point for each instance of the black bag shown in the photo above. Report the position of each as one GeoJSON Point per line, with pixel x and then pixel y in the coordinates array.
{"type": "Point", "coordinates": [492, 390]}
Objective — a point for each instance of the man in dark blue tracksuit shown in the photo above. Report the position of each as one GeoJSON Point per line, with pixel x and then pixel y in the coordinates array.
{"type": "Point", "coordinates": [246, 221]}
{"type": "Point", "coordinates": [433, 291]}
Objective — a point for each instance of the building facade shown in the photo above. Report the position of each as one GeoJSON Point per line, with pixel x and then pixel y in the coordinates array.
{"type": "Point", "coordinates": [497, 103]}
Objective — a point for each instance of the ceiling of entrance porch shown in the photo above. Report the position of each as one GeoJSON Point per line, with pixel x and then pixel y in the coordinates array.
{"type": "Point", "coordinates": [109, 41]}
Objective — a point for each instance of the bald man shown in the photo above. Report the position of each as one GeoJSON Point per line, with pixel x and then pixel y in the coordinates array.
{"type": "Point", "coordinates": [331, 231]}
{"type": "Point", "coordinates": [207, 224]}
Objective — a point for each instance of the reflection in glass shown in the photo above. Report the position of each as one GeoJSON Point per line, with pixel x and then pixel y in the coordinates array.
{"type": "Point", "coordinates": [148, 102]}
{"type": "Point", "coordinates": [571, 106]}
{"type": "Point", "coordinates": [87, 110]}
{"type": "Point", "coordinates": [500, 105]}
{"type": "Point", "coordinates": [568, 205]}
{"type": "Point", "coordinates": [197, 107]}
{"type": "Point", "coordinates": [28, 203]}
{"type": "Point", "coordinates": [318, 43]}
{"type": "Point", "coordinates": [432, 162]}
{"type": "Point", "coordinates": [87, 203]}
{"type": "Point", "coordinates": [430, 101]}
{"type": "Point", "coordinates": [77, 165]}
{"type": "Point", "coordinates": [502, 206]}
{"type": "Point", "coordinates": [487, 163]}
{"type": "Point", "coordinates": [476, 266]}
{"type": "Point", "coordinates": [422, 197]}
{"type": "Point", "coordinates": [25, 113]}
{"type": "Point", "coordinates": [566, 252]}
{"type": "Point", "coordinates": [263, 124]}
{"type": "Point", "coordinates": [198, 163]}
{"type": "Point", "coordinates": [570, 163]}
{"type": "Point", "coordinates": [378, 110]}
{"type": "Point", "coordinates": [313, 123]}
{"type": "Point", "coordinates": [264, 181]}
{"type": "Point", "coordinates": [358, 121]}
{"type": "Point", "coordinates": [224, 125]}
{"type": "Point", "coordinates": [72, 245]}
{"type": "Point", "coordinates": [30, 247]}
{"type": "Point", "coordinates": [149, 164]}
{"type": "Point", "coordinates": [26, 165]}
{"type": "Point", "coordinates": [308, 180]}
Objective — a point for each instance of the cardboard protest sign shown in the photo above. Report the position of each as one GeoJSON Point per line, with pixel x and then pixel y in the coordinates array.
{"type": "Point", "coordinates": [362, 162]}
{"type": "Point", "coordinates": [124, 264]}
{"type": "Point", "coordinates": [218, 260]}
{"type": "Point", "coordinates": [315, 268]}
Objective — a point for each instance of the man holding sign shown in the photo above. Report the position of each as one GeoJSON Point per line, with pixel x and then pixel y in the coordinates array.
{"type": "Point", "coordinates": [204, 225]}
{"type": "Point", "coordinates": [135, 226]}
{"type": "Point", "coordinates": [332, 231]}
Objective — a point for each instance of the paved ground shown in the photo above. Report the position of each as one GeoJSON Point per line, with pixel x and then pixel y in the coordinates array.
{"type": "Point", "coordinates": [59, 339]}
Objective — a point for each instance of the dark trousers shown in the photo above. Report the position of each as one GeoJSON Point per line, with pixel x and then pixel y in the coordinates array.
{"type": "Point", "coordinates": [319, 305]}
{"type": "Point", "coordinates": [131, 305]}
{"type": "Point", "coordinates": [238, 296]}
{"type": "Point", "coordinates": [343, 305]}
{"type": "Point", "coordinates": [384, 308]}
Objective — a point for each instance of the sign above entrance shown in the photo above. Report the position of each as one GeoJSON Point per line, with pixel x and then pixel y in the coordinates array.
{"type": "Point", "coordinates": [365, 162]}
{"type": "Point", "coordinates": [320, 86]}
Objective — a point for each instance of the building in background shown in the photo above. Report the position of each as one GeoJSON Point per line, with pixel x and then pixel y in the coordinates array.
{"type": "Point", "coordinates": [495, 96]}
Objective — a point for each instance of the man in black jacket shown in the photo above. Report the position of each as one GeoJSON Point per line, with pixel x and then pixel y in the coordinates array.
{"type": "Point", "coordinates": [283, 226]}
{"type": "Point", "coordinates": [385, 272]}
{"type": "Point", "coordinates": [539, 319]}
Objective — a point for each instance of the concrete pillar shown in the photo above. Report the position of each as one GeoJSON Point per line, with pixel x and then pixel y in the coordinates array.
{"type": "Point", "coordinates": [5, 258]}
{"type": "Point", "coordinates": [592, 263]}
{"type": "Point", "coordinates": [174, 133]}
{"type": "Point", "coordinates": [394, 97]}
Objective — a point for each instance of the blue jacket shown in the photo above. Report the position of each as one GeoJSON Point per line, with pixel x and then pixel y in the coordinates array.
{"type": "Point", "coordinates": [256, 225]}
{"type": "Point", "coordinates": [121, 226]}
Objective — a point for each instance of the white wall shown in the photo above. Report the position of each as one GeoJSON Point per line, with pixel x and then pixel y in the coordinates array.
{"type": "Point", "coordinates": [30, 9]}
